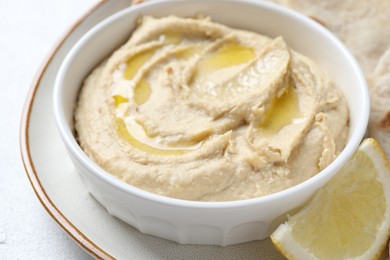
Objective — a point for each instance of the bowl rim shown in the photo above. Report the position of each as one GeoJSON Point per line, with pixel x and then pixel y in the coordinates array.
{"type": "Point", "coordinates": [72, 145]}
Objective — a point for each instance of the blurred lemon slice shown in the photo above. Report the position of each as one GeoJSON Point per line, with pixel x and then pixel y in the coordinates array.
{"type": "Point", "coordinates": [349, 218]}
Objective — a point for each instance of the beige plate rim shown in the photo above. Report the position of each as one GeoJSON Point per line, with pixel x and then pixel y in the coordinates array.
{"type": "Point", "coordinates": [28, 163]}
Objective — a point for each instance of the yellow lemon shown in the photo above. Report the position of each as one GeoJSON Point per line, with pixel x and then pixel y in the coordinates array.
{"type": "Point", "coordinates": [349, 218]}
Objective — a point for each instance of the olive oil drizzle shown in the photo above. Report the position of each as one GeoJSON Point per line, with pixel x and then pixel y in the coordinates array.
{"type": "Point", "coordinates": [136, 141]}
{"type": "Point", "coordinates": [230, 54]}
{"type": "Point", "coordinates": [281, 112]}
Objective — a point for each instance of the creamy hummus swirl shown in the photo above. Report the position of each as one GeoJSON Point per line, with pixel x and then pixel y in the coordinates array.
{"type": "Point", "coordinates": [195, 110]}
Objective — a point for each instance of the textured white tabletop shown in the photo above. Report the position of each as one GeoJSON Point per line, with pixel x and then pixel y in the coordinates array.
{"type": "Point", "coordinates": [28, 31]}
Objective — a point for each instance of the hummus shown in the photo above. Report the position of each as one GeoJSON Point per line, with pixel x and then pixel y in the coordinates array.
{"type": "Point", "coordinates": [195, 110]}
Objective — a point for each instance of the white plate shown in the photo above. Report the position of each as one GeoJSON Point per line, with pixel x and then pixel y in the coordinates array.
{"type": "Point", "coordinates": [62, 193]}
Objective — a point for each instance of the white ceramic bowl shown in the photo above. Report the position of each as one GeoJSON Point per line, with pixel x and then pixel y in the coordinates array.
{"type": "Point", "coordinates": [189, 222]}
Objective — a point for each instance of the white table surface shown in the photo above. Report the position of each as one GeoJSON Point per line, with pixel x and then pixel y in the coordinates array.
{"type": "Point", "coordinates": [28, 31]}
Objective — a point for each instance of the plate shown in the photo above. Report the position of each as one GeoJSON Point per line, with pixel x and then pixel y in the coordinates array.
{"type": "Point", "coordinates": [62, 193]}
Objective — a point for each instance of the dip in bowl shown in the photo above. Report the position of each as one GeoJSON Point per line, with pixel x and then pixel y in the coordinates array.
{"type": "Point", "coordinates": [209, 203]}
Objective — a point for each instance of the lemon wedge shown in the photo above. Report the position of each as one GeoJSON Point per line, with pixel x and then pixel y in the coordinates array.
{"type": "Point", "coordinates": [349, 218]}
